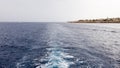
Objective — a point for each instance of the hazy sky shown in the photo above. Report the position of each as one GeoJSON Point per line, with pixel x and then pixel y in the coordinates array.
{"type": "Point", "coordinates": [57, 10]}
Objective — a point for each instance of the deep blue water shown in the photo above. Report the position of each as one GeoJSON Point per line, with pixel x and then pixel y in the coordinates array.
{"type": "Point", "coordinates": [55, 45]}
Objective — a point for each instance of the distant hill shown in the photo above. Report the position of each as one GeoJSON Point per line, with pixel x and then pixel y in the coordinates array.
{"type": "Point", "coordinates": [105, 20]}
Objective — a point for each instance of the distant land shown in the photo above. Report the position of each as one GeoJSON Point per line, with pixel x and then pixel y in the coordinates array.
{"type": "Point", "coordinates": [102, 20]}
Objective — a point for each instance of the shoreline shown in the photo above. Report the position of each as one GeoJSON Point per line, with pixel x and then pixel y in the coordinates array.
{"type": "Point", "coordinates": [102, 20]}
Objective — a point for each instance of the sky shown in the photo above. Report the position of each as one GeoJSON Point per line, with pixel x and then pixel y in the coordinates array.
{"type": "Point", "coordinates": [57, 10]}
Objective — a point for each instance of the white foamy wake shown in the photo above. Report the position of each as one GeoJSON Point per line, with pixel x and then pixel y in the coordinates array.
{"type": "Point", "coordinates": [56, 59]}
{"type": "Point", "coordinates": [56, 54]}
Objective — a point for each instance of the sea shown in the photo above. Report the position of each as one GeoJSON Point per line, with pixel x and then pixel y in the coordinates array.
{"type": "Point", "coordinates": [59, 45]}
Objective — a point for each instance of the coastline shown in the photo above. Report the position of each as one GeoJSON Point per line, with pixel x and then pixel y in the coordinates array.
{"type": "Point", "coordinates": [102, 20]}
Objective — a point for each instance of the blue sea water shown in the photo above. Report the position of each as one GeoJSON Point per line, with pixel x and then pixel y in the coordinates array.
{"type": "Point", "coordinates": [58, 45]}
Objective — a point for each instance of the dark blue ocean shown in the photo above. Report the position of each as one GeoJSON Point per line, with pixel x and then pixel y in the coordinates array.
{"type": "Point", "coordinates": [59, 45]}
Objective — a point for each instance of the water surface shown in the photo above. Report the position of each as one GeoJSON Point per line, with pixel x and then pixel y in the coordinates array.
{"type": "Point", "coordinates": [59, 45]}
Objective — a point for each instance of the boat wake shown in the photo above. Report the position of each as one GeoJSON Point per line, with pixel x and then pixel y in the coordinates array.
{"type": "Point", "coordinates": [55, 58]}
